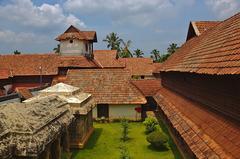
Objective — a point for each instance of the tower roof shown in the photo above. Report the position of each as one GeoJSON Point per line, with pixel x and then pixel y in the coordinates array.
{"type": "Point", "coordinates": [74, 33]}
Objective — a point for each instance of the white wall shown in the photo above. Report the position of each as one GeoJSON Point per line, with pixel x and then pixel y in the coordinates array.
{"type": "Point", "coordinates": [76, 48]}
{"type": "Point", "coordinates": [121, 111]}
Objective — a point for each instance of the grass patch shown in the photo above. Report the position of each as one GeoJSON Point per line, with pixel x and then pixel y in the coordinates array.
{"type": "Point", "coordinates": [106, 140]}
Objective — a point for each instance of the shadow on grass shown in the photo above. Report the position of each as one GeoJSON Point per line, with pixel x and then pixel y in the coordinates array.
{"type": "Point", "coordinates": [171, 143]}
{"type": "Point", "coordinates": [159, 149]}
{"type": "Point", "coordinates": [91, 142]}
{"type": "Point", "coordinates": [94, 138]}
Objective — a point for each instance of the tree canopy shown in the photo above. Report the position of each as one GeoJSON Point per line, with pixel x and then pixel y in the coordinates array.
{"type": "Point", "coordinates": [138, 53]}
{"type": "Point", "coordinates": [158, 57]}
{"type": "Point", "coordinates": [57, 49]}
{"type": "Point", "coordinates": [113, 41]}
{"type": "Point", "coordinates": [16, 52]}
{"type": "Point", "coordinates": [125, 52]}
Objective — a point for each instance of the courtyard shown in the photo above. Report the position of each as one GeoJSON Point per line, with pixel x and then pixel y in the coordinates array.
{"type": "Point", "coordinates": [106, 140]}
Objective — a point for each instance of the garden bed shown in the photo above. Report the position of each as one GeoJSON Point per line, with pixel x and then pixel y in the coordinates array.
{"type": "Point", "coordinates": [106, 140]}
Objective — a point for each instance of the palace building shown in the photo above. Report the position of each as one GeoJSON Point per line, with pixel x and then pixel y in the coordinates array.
{"type": "Point", "coordinates": [49, 100]}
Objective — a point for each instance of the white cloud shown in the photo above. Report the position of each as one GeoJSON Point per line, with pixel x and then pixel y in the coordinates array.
{"type": "Point", "coordinates": [139, 12]}
{"type": "Point", "coordinates": [8, 36]}
{"type": "Point", "coordinates": [224, 8]}
{"type": "Point", "coordinates": [24, 12]}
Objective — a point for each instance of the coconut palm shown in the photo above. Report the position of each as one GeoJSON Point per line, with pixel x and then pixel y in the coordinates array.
{"type": "Point", "coordinates": [16, 52]}
{"type": "Point", "coordinates": [57, 49]}
{"type": "Point", "coordinates": [138, 53]}
{"type": "Point", "coordinates": [155, 55]}
{"type": "Point", "coordinates": [172, 48]}
{"type": "Point", "coordinates": [125, 52]}
{"type": "Point", "coordinates": [113, 41]}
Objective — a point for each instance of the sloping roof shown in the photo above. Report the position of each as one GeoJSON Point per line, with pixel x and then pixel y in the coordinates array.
{"type": "Point", "coordinates": [206, 133]}
{"type": "Point", "coordinates": [196, 28]}
{"type": "Point", "coordinates": [74, 33]}
{"type": "Point", "coordinates": [4, 73]}
{"type": "Point", "coordinates": [39, 64]}
{"type": "Point", "coordinates": [107, 59]}
{"type": "Point", "coordinates": [61, 88]}
{"type": "Point", "coordinates": [138, 66]}
{"type": "Point", "coordinates": [148, 87]}
{"type": "Point", "coordinates": [202, 26]}
{"type": "Point", "coordinates": [24, 93]}
{"type": "Point", "coordinates": [108, 86]}
{"type": "Point", "coordinates": [216, 51]}
{"type": "Point", "coordinates": [157, 67]}
{"type": "Point", "coordinates": [31, 126]}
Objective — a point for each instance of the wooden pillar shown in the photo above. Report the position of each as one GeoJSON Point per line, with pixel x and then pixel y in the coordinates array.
{"type": "Point", "coordinates": [56, 149]}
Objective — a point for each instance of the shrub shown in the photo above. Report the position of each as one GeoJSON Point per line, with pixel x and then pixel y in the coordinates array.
{"type": "Point", "coordinates": [151, 124]}
{"type": "Point", "coordinates": [124, 154]}
{"type": "Point", "coordinates": [125, 129]}
{"type": "Point", "coordinates": [157, 139]}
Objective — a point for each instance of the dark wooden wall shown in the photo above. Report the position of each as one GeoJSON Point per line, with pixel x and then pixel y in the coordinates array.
{"type": "Point", "coordinates": [219, 93]}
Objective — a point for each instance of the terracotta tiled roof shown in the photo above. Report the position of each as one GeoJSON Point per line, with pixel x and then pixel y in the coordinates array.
{"type": "Point", "coordinates": [216, 51]}
{"type": "Point", "coordinates": [206, 133]}
{"type": "Point", "coordinates": [157, 67]}
{"type": "Point", "coordinates": [107, 58]}
{"type": "Point", "coordinates": [74, 33]}
{"type": "Point", "coordinates": [24, 93]}
{"type": "Point", "coordinates": [58, 79]}
{"type": "Point", "coordinates": [2, 92]}
{"type": "Point", "coordinates": [202, 26]}
{"type": "Point", "coordinates": [148, 87]}
{"type": "Point", "coordinates": [39, 64]}
{"type": "Point", "coordinates": [138, 66]}
{"type": "Point", "coordinates": [108, 86]}
{"type": "Point", "coordinates": [4, 73]}
{"type": "Point", "coordinates": [75, 61]}
{"type": "Point", "coordinates": [21, 65]}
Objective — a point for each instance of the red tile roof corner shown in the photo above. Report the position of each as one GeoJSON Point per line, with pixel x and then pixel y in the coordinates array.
{"type": "Point", "coordinates": [149, 87]}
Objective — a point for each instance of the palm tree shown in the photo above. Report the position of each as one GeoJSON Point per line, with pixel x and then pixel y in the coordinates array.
{"type": "Point", "coordinates": [155, 55]}
{"type": "Point", "coordinates": [125, 52]}
{"type": "Point", "coordinates": [57, 49]}
{"type": "Point", "coordinates": [164, 57]}
{"type": "Point", "coordinates": [16, 52]}
{"type": "Point", "coordinates": [138, 53]}
{"type": "Point", "coordinates": [172, 48]}
{"type": "Point", "coordinates": [113, 41]}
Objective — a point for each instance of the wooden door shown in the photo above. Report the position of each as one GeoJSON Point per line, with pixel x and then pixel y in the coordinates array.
{"type": "Point", "coordinates": [103, 110]}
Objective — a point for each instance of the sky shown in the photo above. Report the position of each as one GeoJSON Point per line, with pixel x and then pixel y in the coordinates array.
{"type": "Point", "coordinates": [31, 26]}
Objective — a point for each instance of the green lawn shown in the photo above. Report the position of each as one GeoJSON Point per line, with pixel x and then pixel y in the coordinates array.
{"type": "Point", "coordinates": [105, 142]}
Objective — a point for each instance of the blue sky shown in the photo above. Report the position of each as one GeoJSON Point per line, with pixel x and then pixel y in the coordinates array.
{"type": "Point", "coordinates": [31, 26]}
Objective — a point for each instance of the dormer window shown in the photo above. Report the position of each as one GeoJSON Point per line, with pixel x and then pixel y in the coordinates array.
{"type": "Point", "coordinates": [71, 41]}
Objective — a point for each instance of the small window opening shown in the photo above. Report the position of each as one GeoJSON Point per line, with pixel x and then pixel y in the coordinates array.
{"type": "Point", "coordinates": [71, 41]}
